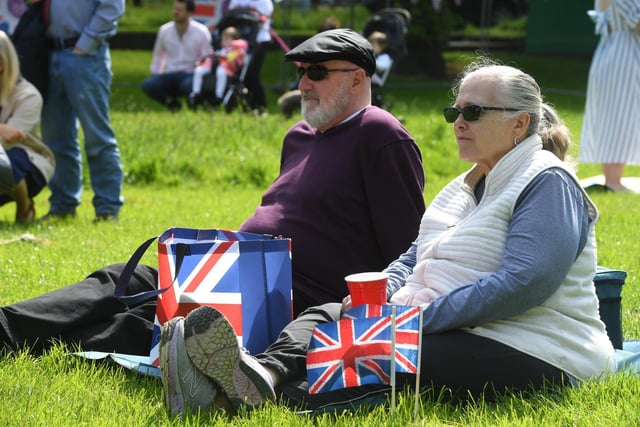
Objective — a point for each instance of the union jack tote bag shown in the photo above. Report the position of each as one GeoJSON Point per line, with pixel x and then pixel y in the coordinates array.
{"type": "Point", "coordinates": [245, 276]}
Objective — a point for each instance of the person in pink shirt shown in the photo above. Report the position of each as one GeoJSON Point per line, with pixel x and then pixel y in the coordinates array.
{"type": "Point", "coordinates": [228, 61]}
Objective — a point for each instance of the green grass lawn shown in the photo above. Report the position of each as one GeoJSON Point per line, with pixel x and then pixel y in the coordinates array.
{"type": "Point", "coordinates": [208, 170]}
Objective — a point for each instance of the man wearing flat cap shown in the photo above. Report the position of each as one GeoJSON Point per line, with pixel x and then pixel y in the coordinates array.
{"type": "Point", "coordinates": [341, 44]}
{"type": "Point", "coordinates": [349, 195]}
{"type": "Point", "coordinates": [335, 51]}
{"type": "Point", "coordinates": [352, 162]}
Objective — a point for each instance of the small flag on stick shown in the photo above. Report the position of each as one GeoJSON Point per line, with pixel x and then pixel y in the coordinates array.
{"type": "Point", "coordinates": [357, 350]}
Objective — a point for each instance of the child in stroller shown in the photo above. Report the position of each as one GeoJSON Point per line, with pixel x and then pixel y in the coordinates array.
{"type": "Point", "coordinates": [246, 23]}
{"type": "Point", "coordinates": [384, 62]}
{"type": "Point", "coordinates": [386, 31]}
{"type": "Point", "coordinates": [228, 61]}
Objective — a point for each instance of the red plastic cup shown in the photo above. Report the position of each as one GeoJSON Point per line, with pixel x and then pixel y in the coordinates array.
{"type": "Point", "coordinates": [367, 288]}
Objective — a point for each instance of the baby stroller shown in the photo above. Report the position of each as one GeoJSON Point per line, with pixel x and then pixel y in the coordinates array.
{"type": "Point", "coordinates": [393, 23]}
{"type": "Point", "coordinates": [247, 22]}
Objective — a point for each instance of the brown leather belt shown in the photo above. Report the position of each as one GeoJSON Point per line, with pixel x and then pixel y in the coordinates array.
{"type": "Point", "coordinates": [61, 44]}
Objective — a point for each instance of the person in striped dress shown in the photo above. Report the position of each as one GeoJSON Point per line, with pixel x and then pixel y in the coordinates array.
{"type": "Point", "coordinates": [611, 127]}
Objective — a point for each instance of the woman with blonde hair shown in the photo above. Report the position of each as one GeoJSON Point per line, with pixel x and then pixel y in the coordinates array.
{"type": "Point", "coordinates": [32, 163]}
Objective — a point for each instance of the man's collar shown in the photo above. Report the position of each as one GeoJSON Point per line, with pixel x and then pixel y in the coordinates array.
{"type": "Point", "coordinates": [346, 119]}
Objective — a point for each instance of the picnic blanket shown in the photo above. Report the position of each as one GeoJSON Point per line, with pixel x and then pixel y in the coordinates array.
{"type": "Point", "coordinates": [628, 359]}
{"type": "Point", "coordinates": [139, 364]}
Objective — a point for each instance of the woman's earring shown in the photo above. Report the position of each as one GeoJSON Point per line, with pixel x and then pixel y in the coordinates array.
{"type": "Point", "coordinates": [515, 141]}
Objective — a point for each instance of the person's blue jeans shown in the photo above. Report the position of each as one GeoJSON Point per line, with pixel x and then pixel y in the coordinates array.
{"type": "Point", "coordinates": [79, 90]}
{"type": "Point", "coordinates": [163, 87]}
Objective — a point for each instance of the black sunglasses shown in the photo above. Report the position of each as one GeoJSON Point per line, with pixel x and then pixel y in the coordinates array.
{"type": "Point", "coordinates": [319, 72]}
{"type": "Point", "coordinates": [470, 113]}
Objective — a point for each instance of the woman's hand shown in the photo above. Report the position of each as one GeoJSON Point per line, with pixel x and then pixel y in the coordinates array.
{"type": "Point", "coordinates": [12, 135]}
{"type": "Point", "coordinates": [346, 304]}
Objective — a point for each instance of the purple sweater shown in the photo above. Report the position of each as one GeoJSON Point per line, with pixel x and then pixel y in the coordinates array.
{"type": "Point", "coordinates": [350, 198]}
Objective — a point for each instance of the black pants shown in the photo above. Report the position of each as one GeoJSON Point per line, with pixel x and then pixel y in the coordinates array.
{"type": "Point", "coordinates": [253, 80]}
{"type": "Point", "coordinates": [85, 314]}
{"type": "Point", "coordinates": [460, 363]}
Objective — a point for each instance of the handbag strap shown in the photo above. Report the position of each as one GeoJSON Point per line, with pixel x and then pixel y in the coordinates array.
{"type": "Point", "coordinates": [182, 249]}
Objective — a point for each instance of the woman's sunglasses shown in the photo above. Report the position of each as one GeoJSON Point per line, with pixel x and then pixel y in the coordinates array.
{"type": "Point", "coordinates": [319, 72]}
{"type": "Point", "coordinates": [470, 113]}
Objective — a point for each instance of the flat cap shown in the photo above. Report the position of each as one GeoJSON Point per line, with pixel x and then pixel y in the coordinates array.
{"type": "Point", "coordinates": [339, 44]}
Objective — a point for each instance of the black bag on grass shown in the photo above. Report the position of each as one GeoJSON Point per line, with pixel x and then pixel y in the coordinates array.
{"type": "Point", "coordinates": [609, 290]}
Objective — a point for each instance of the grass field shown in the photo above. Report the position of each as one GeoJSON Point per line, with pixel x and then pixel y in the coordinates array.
{"type": "Point", "coordinates": [208, 170]}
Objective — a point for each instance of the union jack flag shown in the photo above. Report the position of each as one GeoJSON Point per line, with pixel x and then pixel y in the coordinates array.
{"type": "Point", "coordinates": [357, 351]}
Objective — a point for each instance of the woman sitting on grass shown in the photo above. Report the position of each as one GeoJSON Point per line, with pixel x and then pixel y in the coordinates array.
{"type": "Point", "coordinates": [32, 163]}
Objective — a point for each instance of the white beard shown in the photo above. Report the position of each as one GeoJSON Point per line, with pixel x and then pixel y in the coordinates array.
{"type": "Point", "coordinates": [324, 113]}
